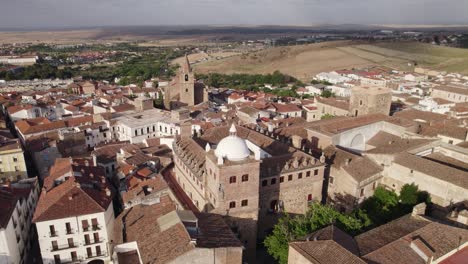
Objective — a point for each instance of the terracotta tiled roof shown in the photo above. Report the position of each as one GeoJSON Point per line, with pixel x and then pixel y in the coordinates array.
{"type": "Point", "coordinates": [433, 238]}
{"type": "Point", "coordinates": [16, 108]}
{"type": "Point", "coordinates": [285, 108]}
{"type": "Point", "coordinates": [123, 107]}
{"type": "Point", "coordinates": [386, 143]}
{"type": "Point", "coordinates": [451, 89]}
{"type": "Point", "coordinates": [340, 124]}
{"type": "Point", "coordinates": [385, 234]}
{"type": "Point", "coordinates": [445, 130]}
{"type": "Point", "coordinates": [214, 232]}
{"type": "Point", "coordinates": [142, 225]}
{"type": "Point", "coordinates": [413, 114]}
{"type": "Point", "coordinates": [325, 252]}
{"type": "Point", "coordinates": [81, 190]}
{"type": "Point", "coordinates": [434, 169]}
{"type": "Point", "coordinates": [29, 127]}
{"type": "Point", "coordinates": [358, 167]}
{"type": "Point", "coordinates": [344, 105]}
{"type": "Point", "coordinates": [79, 121]}
{"type": "Point", "coordinates": [9, 196]}
{"type": "Point", "coordinates": [136, 187]}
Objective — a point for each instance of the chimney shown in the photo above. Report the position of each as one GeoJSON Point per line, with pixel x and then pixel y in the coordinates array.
{"type": "Point", "coordinates": [108, 192]}
{"type": "Point", "coordinates": [419, 209]}
{"type": "Point", "coordinates": [348, 160]}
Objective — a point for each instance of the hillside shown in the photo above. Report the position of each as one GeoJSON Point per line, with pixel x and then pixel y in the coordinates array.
{"type": "Point", "coordinates": [304, 61]}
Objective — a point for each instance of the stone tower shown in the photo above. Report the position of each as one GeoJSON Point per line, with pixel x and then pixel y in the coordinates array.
{"type": "Point", "coordinates": [370, 100]}
{"type": "Point", "coordinates": [184, 90]}
{"type": "Point", "coordinates": [187, 84]}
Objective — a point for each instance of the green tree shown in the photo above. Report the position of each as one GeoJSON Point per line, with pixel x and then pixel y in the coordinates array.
{"type": "Point", "coordinates": [318, 216]}
{"type": "Point", "coordinates": [409, 194]}
{"type": "Point", "coordinates": [327, 116]}
{"type": "Point", "coordinates": [327, 94]}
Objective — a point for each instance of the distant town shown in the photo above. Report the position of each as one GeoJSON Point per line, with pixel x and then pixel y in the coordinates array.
{"type": "Point", "coordinates": [132, 153]}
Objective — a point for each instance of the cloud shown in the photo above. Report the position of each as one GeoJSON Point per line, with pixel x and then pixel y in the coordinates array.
{"type": "Point", "coordinates": [44, 13]}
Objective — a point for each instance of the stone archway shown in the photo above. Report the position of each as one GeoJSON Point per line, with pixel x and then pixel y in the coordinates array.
{"type": "Point", "coordinates": [358, 143]}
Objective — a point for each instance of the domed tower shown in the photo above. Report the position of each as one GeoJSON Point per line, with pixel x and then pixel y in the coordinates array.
{"type": "Point", "coordinates": [233, 181]}
{"type": "Point", "coordinates": [232, 147]}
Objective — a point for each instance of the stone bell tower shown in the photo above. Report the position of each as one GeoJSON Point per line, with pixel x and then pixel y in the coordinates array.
{"type": "Point", "coordinates": [187, 84]}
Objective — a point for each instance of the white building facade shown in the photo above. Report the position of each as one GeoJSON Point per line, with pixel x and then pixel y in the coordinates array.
{"type": "Point", "coordinates": [78, 239]}
{"type": "Point", "coordinates": [16, 235]}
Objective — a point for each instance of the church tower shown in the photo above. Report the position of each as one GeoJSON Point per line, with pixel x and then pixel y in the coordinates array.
{"type": "Point", "coordinates": [187, 84]}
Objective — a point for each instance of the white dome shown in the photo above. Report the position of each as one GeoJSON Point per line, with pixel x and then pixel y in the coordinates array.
{"type": "Point", "coordinates": [232, 147]}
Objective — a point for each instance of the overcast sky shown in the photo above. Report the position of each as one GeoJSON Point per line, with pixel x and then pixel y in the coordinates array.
{"type": "Point", "coordinates": [57, 13]}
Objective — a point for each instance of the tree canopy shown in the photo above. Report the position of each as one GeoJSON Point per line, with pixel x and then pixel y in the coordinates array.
{"type": "Point", "coordinates": [384, 206]}
{"type": "Point", "coordinates": [318, 216]}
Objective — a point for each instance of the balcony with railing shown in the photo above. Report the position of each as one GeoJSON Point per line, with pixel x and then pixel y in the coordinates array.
{"type": "Point", "coordinates": [89, 242]}
{"type": "Point", "coordinates": [63, 246]}
{"type": "Point", "coordinates": [97, 255]}
{"type": "Point", "coordinates": [70, 231]}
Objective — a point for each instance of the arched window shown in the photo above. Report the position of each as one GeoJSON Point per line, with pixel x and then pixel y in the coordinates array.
{"type": "Point", "coordinates": [274, 205]}
{"type": "Point", "coordinates": [245, 177]}
{"type": "Point", "coordinates": [232, 179]}
{"type": "Point", "coordinates": [232, 204]}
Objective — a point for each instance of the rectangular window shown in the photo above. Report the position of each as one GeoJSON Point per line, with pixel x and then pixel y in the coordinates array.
{"type": "Point", "coordinates": [232, 179]}
{"type": "Point", "coordinates": [68, 227]}
{"type": "Point", "coordinates": [374, 185]}
{"type": "Point", "coordinates": [290, 177]}
{"type": "Point", "coordinates": [273, 181]}
{"type": "Point", "coordinates": [15, 159]}
{"type": "Point", "coordinates": [94, 222]}
{"type": "Point", "coordinates": [244, 202]}
{"type": "Point", "coordinates": [87, 240]}
{"type": "Point", "coordinates": [331, 180]}
{"type": "Point", "coordinates": [264, 183]}
{"type": "Point", "coordinates": [73, 255]}
{"type": "Point", "coordinates": [245, 177]}
{"type": "Point", "coordinates": [85, 225]}
{"type": "Point", "coordinates": [362, 192]}
{"type": "Point", "coordinates": [315, 172]}
{"type": "Point", "coordinates": [52, 231]}
{"type": "Point", "coordinates": [96, 237]}
{"type": "Point", "coordinates": [281, 179]}
{"type": "Point", "coordinates": [98, 250]}
{"type": "Point", "coordinates": [89, 252]}
{"type": "Point", "coordinates": [54, 245]}
{"type": "Point", "coordinates": [70, 242]}
{"type": "Point", "coordinates": [300, 175]}
{"type": "Point", "coordinates": [57, 259]}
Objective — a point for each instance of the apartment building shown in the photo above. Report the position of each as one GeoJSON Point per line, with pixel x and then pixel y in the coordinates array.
{"type": "Point", "coordinates": [74, 216]}
{"type": "Point", "coordinates": [12, 163]}
{"type": "Point", "coordinates": [17, 202]}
